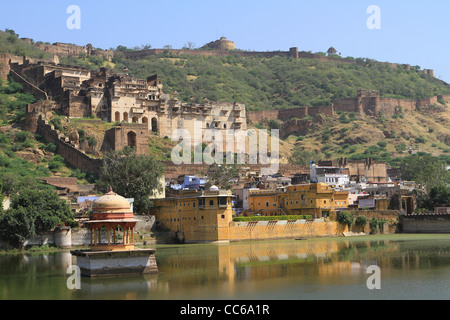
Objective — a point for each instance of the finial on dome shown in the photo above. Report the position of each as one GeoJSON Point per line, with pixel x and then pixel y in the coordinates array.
{"type": "Point", "coordinates": [111, 192]}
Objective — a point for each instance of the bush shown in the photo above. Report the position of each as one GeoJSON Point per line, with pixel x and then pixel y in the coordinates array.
{"type": "Point", "coordinates": [361, 221]}
{"type": "Point", "coordinates": [421, 139]}
{"type": "Point", "coordinates": [54, 166]}
{"type": "Point", "coordinates": [51, 147]}
{"type": "Point", "coordinates": [345, 218]}
{"type": "Point", "coordinates": [382, 144]}
{"type": "Point", "coordinates": [376, 224]}
{"type": "Point", "coordinates": [21, 136]}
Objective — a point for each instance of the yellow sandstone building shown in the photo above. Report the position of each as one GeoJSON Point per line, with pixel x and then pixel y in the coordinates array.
{"type": "Point", "coordinates": [200, 216]}
{"type": "Point", "coordinates": [315, 200]}
{"type": "Point", "coordinates": [207, 216]}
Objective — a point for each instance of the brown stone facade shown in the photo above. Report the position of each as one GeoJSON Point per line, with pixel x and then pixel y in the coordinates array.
{"type": "Point", "coordinates": [366, 102]}
{"type": "Point", "coordinates": [132, 135]}
{"type": "Point", "coordinates": [70, 152]}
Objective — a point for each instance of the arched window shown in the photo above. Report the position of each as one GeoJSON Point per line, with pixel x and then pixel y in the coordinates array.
{"type": "Point", "coordinates": [131, 139]}
{"type": "Point", "coordinates": [117, 116]}
{"type": "Point", "coordinates": [125, 117]}
{"type": "Point", "coordinates": [155, 125]}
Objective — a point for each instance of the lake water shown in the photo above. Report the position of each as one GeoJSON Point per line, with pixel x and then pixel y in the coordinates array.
{"type": "Point", "coordinates": [410, 267]}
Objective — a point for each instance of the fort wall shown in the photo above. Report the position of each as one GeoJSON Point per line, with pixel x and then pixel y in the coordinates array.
{"type": "Point", "coordinates": [366, 102]}
{"type": "Point", "coordinates": [425, 223]}
{"type": "Point", "coordinates": [28, 87]}
{"type": "Point", "coordinates": [272, 230]}
{"type": "Point", "coordinates": [174, 171]}
{"type": "Point", "coordinates": [66, 149]}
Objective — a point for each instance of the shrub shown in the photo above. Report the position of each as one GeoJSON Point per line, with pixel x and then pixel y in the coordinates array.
{"type": "Point", "coordinates": [420, 139]}
{"type": "Point", "coordinates": [382, 144]}
{"type": "Point", "coordinates": [51, 147]}
{"type": "Point", "coordinates": [376, 224]}
{"type": "Point", "coordinates": [54, 166]}
{"type": "Point", "coordinates": [21, 136]}
{"type": "Point", "coordinates": [361, 221]}
{"type": "Point", "coordinates": [345, 218]}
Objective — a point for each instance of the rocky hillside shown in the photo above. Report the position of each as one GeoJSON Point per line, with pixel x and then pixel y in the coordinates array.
{"type": "Point", "coordinates": [278, 82]}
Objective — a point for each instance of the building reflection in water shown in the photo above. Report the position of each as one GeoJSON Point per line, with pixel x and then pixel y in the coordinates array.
{"type": "Point", "coordinates": [226, 271]}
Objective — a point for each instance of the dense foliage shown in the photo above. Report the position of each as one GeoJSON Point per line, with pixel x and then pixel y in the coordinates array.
{"type": "Point", "coordinates": [279, 82]}
{"type": "Point", "coordinates": [131, 176]}
{"type": "Point", "coordinates": [33, 211]}
{"type": "Point", "coordinates": [13, 102]}
{"type": "Point", "coordinates": [345, 218]}
{"type": "Point", "coordinates": [10, 43]}
{"type": "Point", "coordinates": [425, 169]}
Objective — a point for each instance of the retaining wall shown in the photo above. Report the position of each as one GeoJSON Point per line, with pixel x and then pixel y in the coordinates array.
{"type": "Point", "coordinates": [425, 223]}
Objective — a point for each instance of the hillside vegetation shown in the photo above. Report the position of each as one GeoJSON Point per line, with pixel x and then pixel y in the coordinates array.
{"type": "Point", "coordinates": [275, 83]}
{"type": "Point", "coordinates": [280, 82]}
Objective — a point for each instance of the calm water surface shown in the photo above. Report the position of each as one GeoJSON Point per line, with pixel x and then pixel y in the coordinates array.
{"type": "Point", "coordinates": [412, 267]}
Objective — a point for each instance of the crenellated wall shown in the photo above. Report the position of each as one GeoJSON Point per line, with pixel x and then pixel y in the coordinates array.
{"type": "Point", "coordinates": [66, 149]}
{"type": "Point", "coordinates": [425, 223]}
{"type": "Point", "coordinates": [366, 102]}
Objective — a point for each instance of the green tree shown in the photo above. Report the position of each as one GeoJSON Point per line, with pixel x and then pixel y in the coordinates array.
{"type": "Point", "coordinates": [1, 197]}
{"type": "Point", "coordinates": [345, 218]}
{"type": "Point", "coordinates": [33, 211]}
{"type": "Point", "coordinates": [302, 157]}
{"type": "Point", "coordinates": [439, 196]}
{"type": "Point", "coordinates": [222, 175]}
{"type": "Point", "coordinates": [131, 176]}
{"type": "Point", "coordinates": [425, 170]}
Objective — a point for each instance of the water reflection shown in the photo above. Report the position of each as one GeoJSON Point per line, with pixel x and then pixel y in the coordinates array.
{"type": "Point", "coordinates": [312, 269]}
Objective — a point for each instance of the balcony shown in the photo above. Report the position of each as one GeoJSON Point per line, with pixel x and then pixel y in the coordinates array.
{"type": "Point", "coordinates": [137, 110]}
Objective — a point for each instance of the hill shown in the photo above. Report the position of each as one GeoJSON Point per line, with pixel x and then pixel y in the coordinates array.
{"type": "Point", "coordinates": [280, 82]}
{"type": "Point", "coordinates": [277, 82]}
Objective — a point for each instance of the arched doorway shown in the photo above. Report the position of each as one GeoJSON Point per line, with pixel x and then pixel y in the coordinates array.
{"type": "Point", "coordinates": [125, 117]}
{"type": "Point", "coordinates": [145, 120]}
{"type": "Point", "coordinates": [135, 120]}
{"type": "Point", "coordinates": [117, 117]}
{"type": "Point", "coordinates": [132, 139]}
{"type": "Point", "coordinates": [155, 125]}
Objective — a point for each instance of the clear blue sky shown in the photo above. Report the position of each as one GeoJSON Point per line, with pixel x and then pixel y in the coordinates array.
{"type": "Point", "coordinates": [413, 32]}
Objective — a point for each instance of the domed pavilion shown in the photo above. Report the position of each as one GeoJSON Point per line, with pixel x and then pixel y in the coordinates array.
{"type": "Point", "coordinates": [111, 213]}
{"type": "Point", "coordinates": [112, 251]}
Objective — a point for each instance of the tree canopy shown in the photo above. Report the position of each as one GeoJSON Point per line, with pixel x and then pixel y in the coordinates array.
{"type": "Point", "coordinates": [33, 211]}
{"type": "Point", "coordinates": [131, 176]}
{"type": "Point", "coordinates": [425, 170]}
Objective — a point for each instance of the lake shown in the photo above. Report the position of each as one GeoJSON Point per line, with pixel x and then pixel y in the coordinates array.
{"type": "Point", "coordinates": [403, 266]}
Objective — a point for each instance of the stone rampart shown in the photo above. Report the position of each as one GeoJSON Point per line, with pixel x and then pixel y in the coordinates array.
{"type": "Point", "coordinates": [425, 223]}
{"type": "Point", "coordinates": [272, 230]}
{"type": "Point", "coordinates": [288, 114]}
{"type": "Point", "coordinates": [67, 150]}
{"type": "Point", "coordinates": [174, 171]}
{"type": "Point", "coordinates": [29, 87]}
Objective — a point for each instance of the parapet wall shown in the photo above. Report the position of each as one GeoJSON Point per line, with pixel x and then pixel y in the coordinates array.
{"type": "Point", "coordinates": [67, 150]}
{"type": "Point", "coordinates": [425, 223]}
{"type": "Point", "coordinates": [29, 87]}
{"type": "Point", "coordinates": [272, 230]}
{"type": "Point", "coordinates": [174, 171]}
{"type": "Point", "coordinates": [369, 103]}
